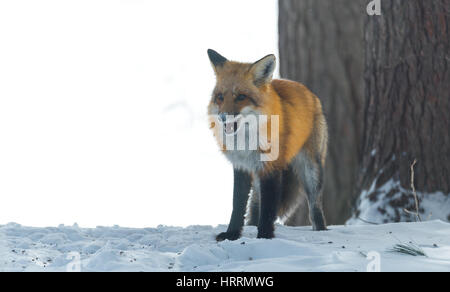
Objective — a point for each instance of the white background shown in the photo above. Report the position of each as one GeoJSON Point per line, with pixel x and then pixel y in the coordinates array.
{"type": "Point", "coordinates": [103, 109]}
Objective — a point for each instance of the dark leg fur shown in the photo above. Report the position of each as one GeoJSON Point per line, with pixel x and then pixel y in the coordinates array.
{"type": "Point", "coordinates": [271, 187]}
{"type": "Point", "coordinates": [242, 184]}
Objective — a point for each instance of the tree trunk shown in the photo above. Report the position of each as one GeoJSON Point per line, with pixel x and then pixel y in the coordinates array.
{"type": "Point", "coordinates": [407, 112]}
{"type": "Point", "coordinates": [321, 46]}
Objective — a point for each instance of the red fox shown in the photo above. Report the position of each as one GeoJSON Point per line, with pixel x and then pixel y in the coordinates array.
{"type": "Point", "coordinates": [274, 186]}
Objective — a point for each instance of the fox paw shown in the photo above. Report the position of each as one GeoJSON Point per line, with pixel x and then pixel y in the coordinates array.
{"type": "Point", "coordinates": [320, 228]}
{"type": "Point", "coordinates": [233, 235]}
{"type": "Point", "coordinates": [267, 234]}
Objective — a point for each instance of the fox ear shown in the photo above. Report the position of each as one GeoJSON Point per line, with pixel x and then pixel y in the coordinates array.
{"type": "Point", "coordinates": [217, 60]}
{"type": "Point", "coordinates": [262, 70]}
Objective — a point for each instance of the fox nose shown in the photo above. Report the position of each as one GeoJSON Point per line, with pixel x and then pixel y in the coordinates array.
{"type": "Point", "coordinates": [223, 117]}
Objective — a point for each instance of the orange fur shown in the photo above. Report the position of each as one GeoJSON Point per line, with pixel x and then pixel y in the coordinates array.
{"type": "Point", "coordinates": [296, 106]}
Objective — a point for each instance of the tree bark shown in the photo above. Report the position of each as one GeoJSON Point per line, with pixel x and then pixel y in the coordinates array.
{"type": "Point", "coordinates": [321, 46]}
{"type": "Point", "coordinates": [407, 108]}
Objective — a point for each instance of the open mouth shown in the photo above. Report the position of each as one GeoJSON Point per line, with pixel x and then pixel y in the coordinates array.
{"type": "Point", "coordinates": [231, 125]}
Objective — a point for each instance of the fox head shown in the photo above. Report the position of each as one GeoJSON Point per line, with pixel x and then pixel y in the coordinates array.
{"type": "Point", "coordinates": [241, 89]}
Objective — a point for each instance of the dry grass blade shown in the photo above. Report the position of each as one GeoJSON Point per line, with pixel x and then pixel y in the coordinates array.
{"type": "Point", "coordinates": [408, 249]}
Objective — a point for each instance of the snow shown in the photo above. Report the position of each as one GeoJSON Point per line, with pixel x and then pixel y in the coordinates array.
{"type": "Point", "coordinates": [378, 207]}
{"type": "Point", "coordinates": [342, 248]}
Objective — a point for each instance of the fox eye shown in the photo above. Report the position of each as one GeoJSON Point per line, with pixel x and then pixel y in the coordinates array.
{"type": "Point", "coordinates": [219, 98]}
{"type": "Point", "coordinates": [241, 97]}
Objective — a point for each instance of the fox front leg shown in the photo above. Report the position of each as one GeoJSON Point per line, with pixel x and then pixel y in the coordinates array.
{"type": "Point", "coordinates": [271, 187]}
{"type": "Point", "coordinates": [241, 190]}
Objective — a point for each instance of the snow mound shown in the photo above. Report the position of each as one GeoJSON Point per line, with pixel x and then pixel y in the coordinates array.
{"type": "Point", "coordinates": [387, 204]}
{"type": "Point", "coordinates": [342, 248]}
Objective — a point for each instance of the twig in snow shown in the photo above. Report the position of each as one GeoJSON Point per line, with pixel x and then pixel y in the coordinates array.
{"type": "Point", "coordinates": [368, 222]}
{"type": "Point", "coordinates": [417, 214]}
